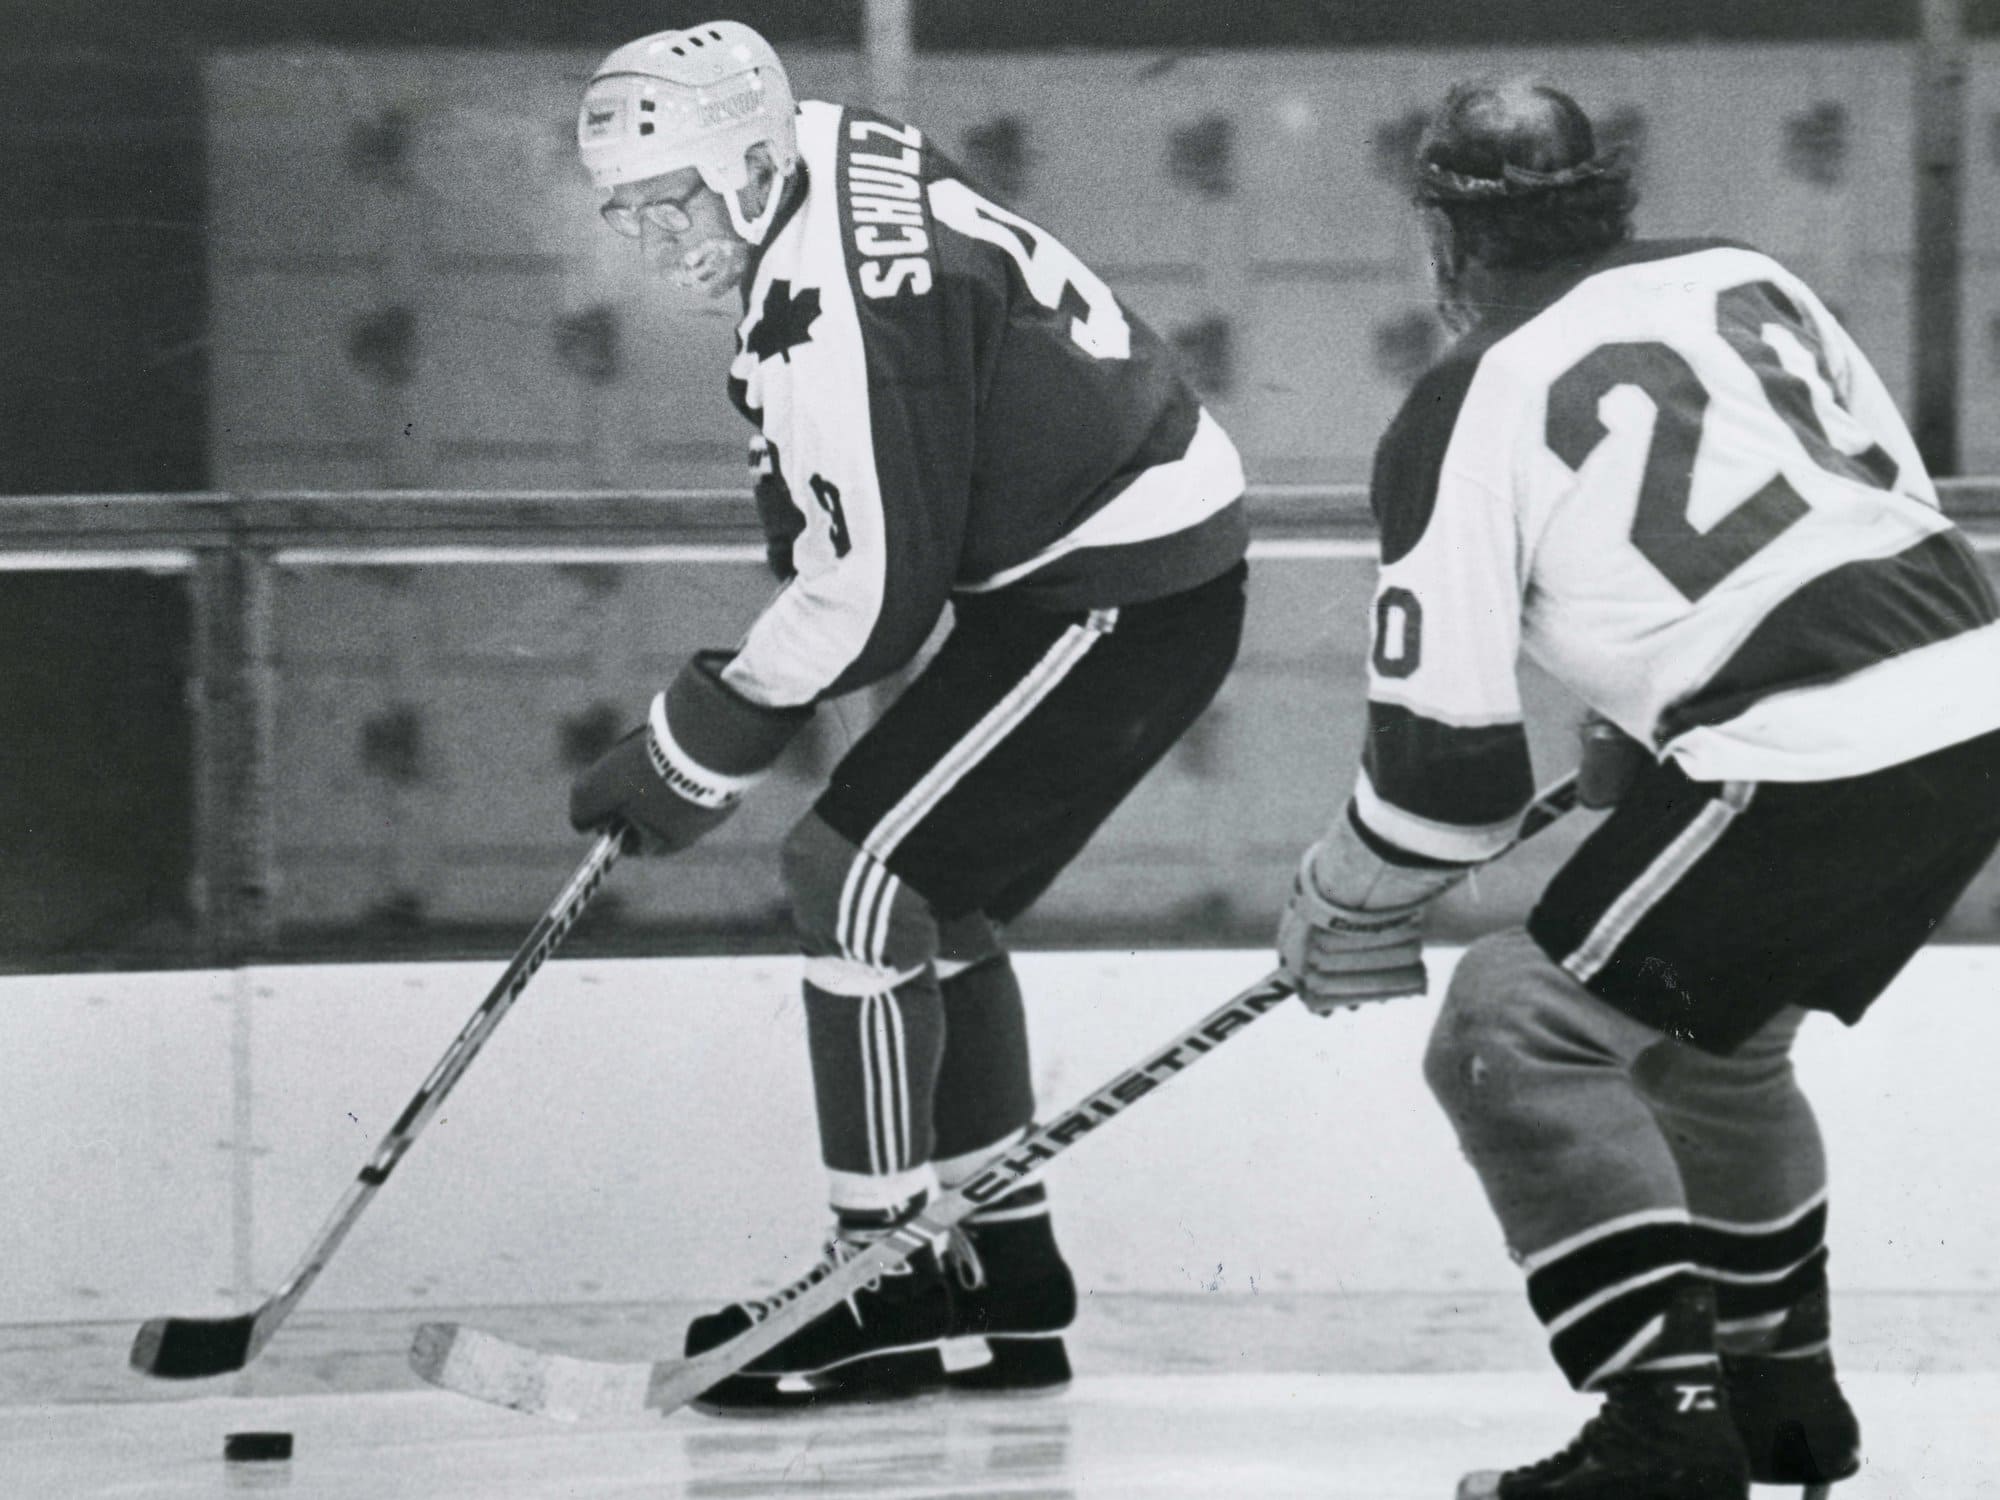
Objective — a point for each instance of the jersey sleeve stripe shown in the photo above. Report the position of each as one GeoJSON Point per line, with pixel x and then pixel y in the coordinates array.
{"type": "Point", "coordinates": [1444, 773]}
{"type": "Point", "coordinates": [1448, 843]}
{"type": "Point", "coordinates": [1843, 621]}
{"type": "Point", "coordinates": [1176, 495]}
{"type": "Point", "coordinates": [1390, 692]}
{"type": "Point", "coordinates": [1138, 572]}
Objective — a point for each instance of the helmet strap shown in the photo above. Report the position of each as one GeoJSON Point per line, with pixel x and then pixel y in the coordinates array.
{"type": "Point", "coordinates": [753, 230]}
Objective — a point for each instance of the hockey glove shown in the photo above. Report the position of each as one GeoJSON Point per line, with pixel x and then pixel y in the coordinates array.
{"type": "Point", "coordinates": [1353, 929]}
{"type": "Point", "coordinates": [683, 772]}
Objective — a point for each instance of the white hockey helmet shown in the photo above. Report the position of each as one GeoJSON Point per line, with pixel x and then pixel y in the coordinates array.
{"type": "Point", "coordinates": [699, 97]}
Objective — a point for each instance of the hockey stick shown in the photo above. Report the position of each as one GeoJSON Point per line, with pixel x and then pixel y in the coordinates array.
{"type": "Point", "coordinates": [495, 1370]}
{"type": "Point", "coordinates": [191, 1348]}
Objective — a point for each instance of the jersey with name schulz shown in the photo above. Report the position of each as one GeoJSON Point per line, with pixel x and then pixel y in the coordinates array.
{"type": "Point", "coordinates": [952, 403]}
{"type": "Point", "coordinates": [1676, 483]}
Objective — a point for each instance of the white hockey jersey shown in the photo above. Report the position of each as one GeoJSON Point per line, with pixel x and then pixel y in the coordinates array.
{"type": "Point", "coordinates": [952, 402]}
{"type": "Point", "coordinates": [1676, 483]}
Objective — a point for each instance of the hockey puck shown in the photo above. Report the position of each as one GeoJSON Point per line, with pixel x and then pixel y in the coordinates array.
{"type": "Point", "coordinates": [257, 1447]}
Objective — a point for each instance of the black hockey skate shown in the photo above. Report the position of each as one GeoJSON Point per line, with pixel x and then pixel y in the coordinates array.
{"type": "Point", "coordinates": [1012, 1296]}
{"type": "Point", "coordinates": [879, 1345]}
{"type": "Point", "coordinates": [1794, 1421]}
{"type": "Point", "coordinates": [1658, 1436]}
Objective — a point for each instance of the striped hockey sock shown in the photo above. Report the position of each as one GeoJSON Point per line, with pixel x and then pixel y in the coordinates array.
{"type": "Point", "coordinates": [1770, 1282]}
{"type": "Point", "coordinates": [875, 1066]}
{"type": "Point", "coordinates": [1625, 1297]}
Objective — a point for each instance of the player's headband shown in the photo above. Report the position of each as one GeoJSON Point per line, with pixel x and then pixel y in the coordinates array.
{"type": "Point", "coordinates": [1439, 184]}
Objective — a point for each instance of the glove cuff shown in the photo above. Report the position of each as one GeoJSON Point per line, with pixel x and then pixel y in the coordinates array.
{"type": "Point", "coordinates": [710, 743]}
{"type": "Point", "coordinates": [1318, 910]}
{"type": "Point", "coordinates": [1343, 871]}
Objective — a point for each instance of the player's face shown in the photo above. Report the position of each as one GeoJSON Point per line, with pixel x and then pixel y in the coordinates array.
{"type": "Point", "coordinates": [683, 230]}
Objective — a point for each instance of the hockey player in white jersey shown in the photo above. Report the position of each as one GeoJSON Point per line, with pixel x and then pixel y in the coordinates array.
{"type": "Point", "coordinates": [1667, 473]}
{"type": "Point", "coordinates": [954, 411]}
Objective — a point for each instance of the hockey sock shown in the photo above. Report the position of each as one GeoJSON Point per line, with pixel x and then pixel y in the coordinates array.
{"type": "Point", "coordinates": [1536, 1077]}
{"type": "Point", "coordinates": [864, 1225]}
{"type": "Point", "coordinates": [875, 1068]}
{"type": "Point", "coordinates": [985, 1095]}
{"type": "Point", "coordinates": [1624, 1298]}
{"type": "Point", "coordinates": [1754, 1168]}
{"type": "Point", "coordinates": [1028, 1202]}
{"type": "Point", "coordinates": [874, 1019]}
{"type": "Point", "coordinates": [1771, 1289]}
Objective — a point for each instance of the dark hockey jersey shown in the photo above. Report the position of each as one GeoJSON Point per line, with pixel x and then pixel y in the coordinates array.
{"type": "Point", "coordinates": [1676, 483]}
{"type": "Point", "coordinates": [953, 402]}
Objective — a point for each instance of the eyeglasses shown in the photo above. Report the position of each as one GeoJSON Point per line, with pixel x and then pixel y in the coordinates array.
{"type": "Point", "coordinates": [669, 214]}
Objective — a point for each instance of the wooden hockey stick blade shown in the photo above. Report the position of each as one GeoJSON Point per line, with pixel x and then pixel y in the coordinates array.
{"type": "Point", "coordinates": [488, 1368]}
{"type": "Point", "coordinates": [173, 1348]}
{"type": "Point", "coordinates": [463, 1359]}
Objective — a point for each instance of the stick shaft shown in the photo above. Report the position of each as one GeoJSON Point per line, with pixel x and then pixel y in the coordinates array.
{"type": "Point", "coordinates": [1011, 1168]}
{"type": "Point", "coordinates": [677, 1382]}
{"type": "Point", "coordinates": [547, 933]}
{"type": "Point", "coordinates": [1551, 803]}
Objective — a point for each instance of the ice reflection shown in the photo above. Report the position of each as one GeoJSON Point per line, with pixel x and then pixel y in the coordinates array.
{"type": "Point", "coordinates": [1019, 1450]}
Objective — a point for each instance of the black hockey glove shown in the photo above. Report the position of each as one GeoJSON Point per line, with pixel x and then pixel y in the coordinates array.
{"type": "Point", "coordinates": [683, 772]}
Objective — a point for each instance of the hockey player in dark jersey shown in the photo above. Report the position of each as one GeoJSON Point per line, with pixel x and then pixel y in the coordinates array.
{"type": "Point", "coordinates": [1666, 472]}
{"type": "Point", "coordinates": [954, 411]}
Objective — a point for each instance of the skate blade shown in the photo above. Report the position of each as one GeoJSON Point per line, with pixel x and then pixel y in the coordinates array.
{"type": "Point", "coordinates": [1008, 1366]}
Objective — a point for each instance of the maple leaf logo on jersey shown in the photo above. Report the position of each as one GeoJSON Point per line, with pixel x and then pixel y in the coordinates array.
{"type": "Point", "coordinates": [784, 323]}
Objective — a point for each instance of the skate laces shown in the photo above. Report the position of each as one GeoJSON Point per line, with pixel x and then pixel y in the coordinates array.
{"type": "Point", "coordinates": [833, 1255]}
{"type": "Point", "coordinates": [837, 1252]}
{"type": "Point", "coordinates": [961, 1253]}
